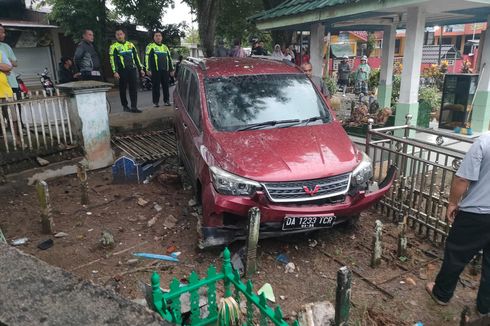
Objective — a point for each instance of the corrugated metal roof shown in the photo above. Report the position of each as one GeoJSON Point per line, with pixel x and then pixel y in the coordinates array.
{"type": "Point", "coordinates": [24, 23]}
{"type": "Point", "coordinates": [293, 7]}
{"type": "Point", "coordinates": [430, 53]}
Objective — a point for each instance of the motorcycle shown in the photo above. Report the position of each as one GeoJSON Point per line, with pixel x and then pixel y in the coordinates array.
{"type": "Point", "coordinates": [46, 82]}
{"type": "Point", "coordinates": [24, 91]}
{"type": "Point", "coordinates": [146, 84]}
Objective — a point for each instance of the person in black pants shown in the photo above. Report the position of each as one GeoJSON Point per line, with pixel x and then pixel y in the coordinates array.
{"type": "Point", "coordinates": [159, 67]}
{"type": "Point", "coordinates": [124, 62]}
{"type": "Point", "coordinates": [469, 208]}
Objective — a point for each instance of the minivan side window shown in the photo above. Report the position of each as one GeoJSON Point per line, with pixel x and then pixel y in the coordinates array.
{"type": "Point", "coordinates": [183, 84]}
{"type": "Point", "coordinates": [194, 101]}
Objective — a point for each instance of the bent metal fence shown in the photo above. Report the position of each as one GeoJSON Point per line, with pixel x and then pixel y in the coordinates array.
{"type": "Point", "coordinates": [426, 166]}
{"type": "Point", "coordinates": [35, 124]}
{"type": "Point", "coordinates": [169, 304]}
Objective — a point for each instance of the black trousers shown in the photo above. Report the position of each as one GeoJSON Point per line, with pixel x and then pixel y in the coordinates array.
{"type": "Point", "coordinates": [158, 78]}
{"type": "Point", "coordinates": [128, 77]}
{"type": "Point", "coordinates": [469, 234]}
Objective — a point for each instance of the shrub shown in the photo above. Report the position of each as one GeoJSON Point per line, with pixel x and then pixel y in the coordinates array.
{"type": "Point", "coordinates": [396, 90]}
{"type": "Point", "coordinates": [374, 79]}
{"type": "Point", "coordinates": [330, 84]}
{"type": "Point", "coordinates": [431, 96]}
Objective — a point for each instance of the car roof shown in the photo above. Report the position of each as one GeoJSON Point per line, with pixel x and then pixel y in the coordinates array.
{"type": "Point", "coordinates": [222, 67]}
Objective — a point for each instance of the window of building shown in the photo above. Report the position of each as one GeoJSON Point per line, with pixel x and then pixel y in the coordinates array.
{"type": "Point", "coordinates": [397, 46]}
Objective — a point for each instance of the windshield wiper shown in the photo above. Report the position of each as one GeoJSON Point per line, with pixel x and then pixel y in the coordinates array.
{"type": "Point", "coordinates": [267, 124]}
{"type": "Point", "coordinates": [307, 121]}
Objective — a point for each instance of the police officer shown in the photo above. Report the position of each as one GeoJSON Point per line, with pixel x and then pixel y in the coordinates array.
{"type": "Point", "coordinates": [159, 67]}
{"type": "Point", "coordinates": [124, 62]}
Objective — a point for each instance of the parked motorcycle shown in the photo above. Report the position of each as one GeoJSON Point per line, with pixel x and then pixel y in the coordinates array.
{"type": "Point", "coordinates": [46, 82]}
{"type": "Point", "coordinates": [24, 91]}
{"type": "Point", "coordinates": [146, 84]}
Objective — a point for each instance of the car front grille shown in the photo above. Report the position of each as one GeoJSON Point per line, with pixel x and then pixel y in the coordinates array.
{"type": "Point", "coordinates": [309, 190]}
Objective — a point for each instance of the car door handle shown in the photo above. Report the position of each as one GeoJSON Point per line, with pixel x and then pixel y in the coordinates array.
{"type": "Point", "coordinates": [184, 125]}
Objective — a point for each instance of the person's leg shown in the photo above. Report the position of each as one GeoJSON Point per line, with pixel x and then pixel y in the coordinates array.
{"type": "Point", "coordinates": [165, 86]}
{"type": "Point", "coordinates": [465, 239]}
{"type": "Point", "coordinates": [483, 299]}
{"type": "Point", "coordinates": [123, 83]}
{"type": "Point", "coordinates": [133, 88]}
{"type": "Point", "coordinates": [155, 87]}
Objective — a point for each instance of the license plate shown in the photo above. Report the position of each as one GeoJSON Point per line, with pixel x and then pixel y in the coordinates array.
{"type": "Point", "coordinates": [307, 222]}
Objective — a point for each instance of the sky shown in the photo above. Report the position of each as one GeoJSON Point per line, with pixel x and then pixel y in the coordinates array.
{"type": "Point", "coordinates": [180, 13]}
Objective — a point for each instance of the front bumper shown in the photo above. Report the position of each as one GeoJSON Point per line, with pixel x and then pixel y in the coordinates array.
{"type": "Point", "coordinates": [225, 217]}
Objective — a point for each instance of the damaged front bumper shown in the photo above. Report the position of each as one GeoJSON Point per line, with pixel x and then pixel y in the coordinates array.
{"type": "Point", "coordinates": [272, 215]}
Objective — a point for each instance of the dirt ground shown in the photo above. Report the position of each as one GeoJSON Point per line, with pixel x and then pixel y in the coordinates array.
{"type": "Point", "coordinates": [397, 299]}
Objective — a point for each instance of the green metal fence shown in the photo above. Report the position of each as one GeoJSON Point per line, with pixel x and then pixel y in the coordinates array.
{"type": "Point", "coordinates": [168, 305]}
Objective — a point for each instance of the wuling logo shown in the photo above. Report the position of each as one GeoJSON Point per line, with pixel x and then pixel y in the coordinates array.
{"type": "Point", "coordinates": [311, 192]}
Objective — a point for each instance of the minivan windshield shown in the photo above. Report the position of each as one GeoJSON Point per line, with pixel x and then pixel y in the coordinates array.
{"type": "Point", "coordinates": [263, 101]}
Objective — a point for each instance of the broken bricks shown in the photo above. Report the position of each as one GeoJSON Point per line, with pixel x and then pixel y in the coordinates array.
{"type": "Point", "coordinates": [170, 222]}
{"type": "Point", "coordinates": [107, 239]}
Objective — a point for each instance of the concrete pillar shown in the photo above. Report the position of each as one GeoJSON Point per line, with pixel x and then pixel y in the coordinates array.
{"type": "Point", "coordinates": [412, 59]}
{"type": "Point", "coordinates": [386, 74]}
{"type": "Point", "coordinates": [480, 118]}
{"type": "Point", "coordinates": [56, 48]}
{"type": "Point", "coordinates": [317, 33]}
{"type": "Point", "coordinates": [90, 121]}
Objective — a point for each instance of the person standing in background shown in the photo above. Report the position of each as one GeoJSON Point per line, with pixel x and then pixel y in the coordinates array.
{"type": "Point", "coordinates": [344, 74]}
{"type": "Point", "coordinates": [12, 61]}
{"type": "Point", "coordinates": [124, 62]}
{"type": "Point", "coordinates": [159, 67]}
{"type": "Point", "coordinates": [362, 76]}
{"type": "Point", "coordinates": [86, 57]}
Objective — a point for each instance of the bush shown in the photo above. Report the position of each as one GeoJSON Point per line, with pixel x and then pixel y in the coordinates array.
{"type": "Point", "coordinates": [330, 84]}
{"type": "Point", "coordinates": [374, 79]}
{"type": "Point", "coordinates": [431, 96]}
{"type": "Point", "coordinates": [396, 90]}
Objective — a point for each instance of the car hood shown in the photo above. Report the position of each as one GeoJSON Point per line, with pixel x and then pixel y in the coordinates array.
{"type": "Point", "coordinates": [286, 154]}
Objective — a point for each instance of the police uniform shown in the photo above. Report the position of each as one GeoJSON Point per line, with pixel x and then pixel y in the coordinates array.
{"type": "Point", "coordinates": [159, 62]}
{"type": "Point", "coordinates": [125, 60]}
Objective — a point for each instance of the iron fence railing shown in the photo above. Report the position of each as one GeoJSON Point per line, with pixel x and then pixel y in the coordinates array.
{"type": "Point", "coordinates": [35, 123]}
{"type": "Point", "coordinates": [169, 305]}
{"type": "Point", "coordinates": [425, 170]}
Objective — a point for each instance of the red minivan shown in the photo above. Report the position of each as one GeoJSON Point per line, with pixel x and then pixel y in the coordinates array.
{"type": "Point", "coordinates": [255, 132]}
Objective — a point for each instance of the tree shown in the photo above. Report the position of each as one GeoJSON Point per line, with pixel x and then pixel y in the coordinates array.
{"type": "Point", "coordinates": [192, 36]}
{"type": "Point", "coordinates": [207, 14]}
{"type": "Point", "coordinates": [147, 13]}
{"type": "Point", "coordinates": [232, 19]}
{"type": "Point", "coordinates": [173, 33]}
{"type": "Point", "coordinates": [73, 16]}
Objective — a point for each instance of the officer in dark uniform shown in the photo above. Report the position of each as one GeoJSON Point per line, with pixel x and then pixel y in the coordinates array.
{"type": "Point", "coordinates": [159, 67]}
{"type": "Point", "coordinates": [124, 62]}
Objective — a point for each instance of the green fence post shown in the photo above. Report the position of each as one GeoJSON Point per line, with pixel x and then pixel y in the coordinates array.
{"type": "Point", "coordinates": [194, 299]}
{"type": "Point", "coordinates": [157, 295]}
{"type": "Point", "coordinates": [250, 308]}
{"type": "Point", "coordinates": [228, 271]}
{"type": "Point", "coordinates": [342, 297]}
{"type": "Point", "coordinates": [212, 306]}
{"type": "Point", "coordinates": [252, 240]}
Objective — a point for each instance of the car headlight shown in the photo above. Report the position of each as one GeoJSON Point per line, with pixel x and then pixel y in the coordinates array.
{"type": "Point", "coordinates": [229, 184]}
{"type": "Point", "coordinates": [363, 172]}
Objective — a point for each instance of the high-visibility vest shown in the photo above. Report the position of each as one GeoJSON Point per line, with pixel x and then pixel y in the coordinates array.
{"type": "Point", "coordinates": [120, 53]}
{"type": "Point", "coordinates": [154, 51]}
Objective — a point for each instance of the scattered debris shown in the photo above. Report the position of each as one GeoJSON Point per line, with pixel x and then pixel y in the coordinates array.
{"type": "Point", "coordinates": [171, 249]}
{"type": "Point", "coordinates": [152, 221]}
{"type": "Point", "coordinates": [167, 178]}
{"type": "Point", "coordinates": [107, 239]}
{"type": "Point", "coordinates": [237, 263]}
{"type": "Point", "coordinates": [132, 262]}
{"type": "Point", "coordinates": [46, 244]}
{"type": "Point", "coordinates": [142, 202]}
{"type": "Point", "coordinates": [95, 272]}
{"type": "Point", "coordinates": [170, 222]}
{"type": "Point", "coordinates": [157, 207]}
{"type": "Point", "coordinates": [290, 268]}
{"type": "Point", "coordinates": [175, 254]}
{"type": "Point", "coordinates": [410, 281]}
{"type": "Point", "coordinates": [192, 202]}
{"type": "Point", "coordinates": [155, 256]}
{"type": "Point", "coordinates": [282, 258]}
{"type": "Point", "coordinates": [317, 314]}
{"type": "Point", "coordinates": [2, 237]}
{"type": "Point", "coordinates": [282, 297]}
{"type": "Point", "coordinates": [42, 162]}
{"type": "Point", "coordinates": [89, 213]}
{"type": "Point", "coordinates": [19, 242]}
{"type": "Point", "coordinates": [90, 230]}
{"type": "Point", "coordinates": [268, 293]}
{"type": "Point", "coordinates": [141, 302]}
{"type": "Point", "coordinates": [312, 243]}
{"type": "Point", "coordinates": [61, 235]}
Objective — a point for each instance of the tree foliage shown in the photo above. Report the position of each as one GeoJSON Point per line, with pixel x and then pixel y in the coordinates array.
{"type": "Point", "coordinates": [147, 13]}
{"type": "Point", "coordinates": [207, 13]}
{"type": "Point", "coordinates": [232, 19]}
